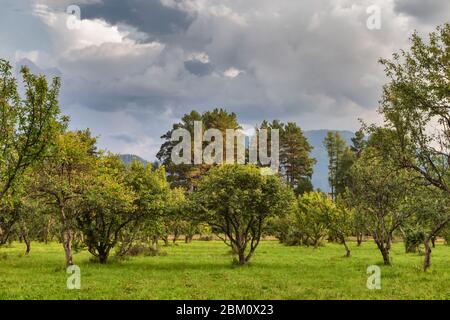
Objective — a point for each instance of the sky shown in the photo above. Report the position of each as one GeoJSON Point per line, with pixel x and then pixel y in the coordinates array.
{"type": "Point", "coordinates": [130, 69]}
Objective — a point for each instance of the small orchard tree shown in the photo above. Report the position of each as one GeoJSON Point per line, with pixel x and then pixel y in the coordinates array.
{"type": "Point", "coordinates": [431, 207]}
{"type": "Point", "coordinates": [378, 192]}
{"type": "Point", "coordinates": [173, 215]}
{"type": "Point", "coordinates": [416, 107]}
{"type": "Point", "coordinates": [22, 214]}
{"type": "Point", "coordinates": [31, 211]}
{"type": "Point", "coordinates": [282, 227]}
{"type": "Point", "coordinates": [9, 216]}
{"type": "Point", "coordinates": [236, 200]}
{"type": "Point", "coordinates": [63, 177]}
{"type": "Point", "coordinates": [340, 223]}
{"type": "Point", "coordinates": [312, 216]}
{"type": "Point", "coordinates": [105, 208]}
{"type": "Point", "coordinates": [152, 193]}
{"type": "Point", "coordinates": [28, 125]}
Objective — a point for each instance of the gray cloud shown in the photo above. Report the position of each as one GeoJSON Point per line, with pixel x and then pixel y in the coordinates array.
{"type": "Point", "coordinates": [148, 16]}
{"type": "Point", "coordinates": [124, 137]}
{"type": "Point", "coordinates": [49, 73]}
{"type": "Point", "coordinates": [131, 77]}
{"type": "Point", "coordinates": [198, 68]}
{"type": "Point", "coordinates": [428, 11]}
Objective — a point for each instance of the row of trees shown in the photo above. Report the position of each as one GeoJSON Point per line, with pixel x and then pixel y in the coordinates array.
{"type": "Point", "coordinates": [396, 181]}
{"type": "Point", "coordinates": [296, 164]}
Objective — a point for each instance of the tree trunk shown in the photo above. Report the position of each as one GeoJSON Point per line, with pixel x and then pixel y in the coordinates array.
{"type": "Point", "coordinates": [386, 259]}
{"type": "Point", "coordinates": [67, 245]}
{"type": "Point", "coordinates": [28, 244]}
{"type": "Point", "coordinates": [384, 249]}
{"type": "Point", "coordinates": [316, 242]}
{"type": "Point", "coordinates": [433, 242]}
{"type": "Point", "coordinates": [66, 238]}
{"type": "Point", "coordinates": [427, 261]}
{"type": "Point", "coordinates": [359, 237]}
{"type": "Point", "coordinates": [155, 243]}
{"type": "Point", "coordinates": [241, 255]}
{"type": "Point", "coordinates": [47, 230]}
{"type": "Point", "coordinates": [24, 234]}
{"type": "Point", "coordinates": [347, 250]}
{"type": "Point", "coordinates": [103, 256]}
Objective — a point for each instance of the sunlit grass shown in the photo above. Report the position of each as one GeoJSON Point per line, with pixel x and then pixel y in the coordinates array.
{"type": "Point", "coordinates": [204, 270]}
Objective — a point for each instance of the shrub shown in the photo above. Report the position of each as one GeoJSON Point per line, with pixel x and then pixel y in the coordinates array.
{"type": "Point", "coordinates": [413, 238]}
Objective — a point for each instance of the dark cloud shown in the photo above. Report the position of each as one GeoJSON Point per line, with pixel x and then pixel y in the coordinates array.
{"type": "Point", "coordinates": [124, 137]}
{"type": "Point", "coordinates": [198, 68]}
{"type": "Point", "coordinates": [435, 11]}
{"type": "Point", "coordinates": [310, 61]}
{"type": "Point", "coordinates": [148, 16]}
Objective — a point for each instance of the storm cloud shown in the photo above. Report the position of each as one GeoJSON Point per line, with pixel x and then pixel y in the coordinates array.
{"type": "Point", "coordinates": [132, 68]}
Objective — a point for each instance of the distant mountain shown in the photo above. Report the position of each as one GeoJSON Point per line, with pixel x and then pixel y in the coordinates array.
{"type": "Point", "coordinates": [315, 138]}
{"type": "Point", "coordinates": [129, 158]}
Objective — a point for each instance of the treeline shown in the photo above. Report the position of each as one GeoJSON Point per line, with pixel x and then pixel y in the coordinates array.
{"type": "Point", "coordinates": [393, 181]}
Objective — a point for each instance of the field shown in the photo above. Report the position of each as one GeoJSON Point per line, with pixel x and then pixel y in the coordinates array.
{"type": "Point", "coordinates": [204, 270]}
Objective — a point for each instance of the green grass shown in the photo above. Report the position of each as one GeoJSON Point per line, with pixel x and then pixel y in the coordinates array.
{"type": "Point", "coordinates": [204, 270]}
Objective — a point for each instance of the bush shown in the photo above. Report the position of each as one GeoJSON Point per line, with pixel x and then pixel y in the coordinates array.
{"type": "Point", "coordinates": [413, 238]}
{"type": "Point", "coordinates": [312, 216]}
{"type": "Point", "coordinates": [206, 238]}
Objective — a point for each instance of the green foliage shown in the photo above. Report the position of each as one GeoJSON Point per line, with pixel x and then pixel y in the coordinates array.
{"type": "Point", "coordinates": [304, 185]}
{"type": "Point", "coordinates": [415, 106]}
{"type": "Point", "coordinates": [62, 179]}
{"type": "Point", "coordinates": [105, 207]}
{"type": "Point", "coordinates": [236, 200]}
{"type": "Point", "coordinates": [28, 124]}
{"type": "Point", "coordinates": [413, 237]}
{"type": "Point", "coordinates": [187, 175]}
{"type": "Point", "coordinates": [312, 217]}
{"type": "Point", "coordinates": [378, 193]}
{"type": "Point", "coordinates": [340, 160]}
{"type": "Point", "coordinates": [417, 99]}
{"type": "Point", "coordinates": [358, 143]}
{"type": "Point", "coordinates": [151, 205]}
{"type": "Point", "coordinates": [296, 164]}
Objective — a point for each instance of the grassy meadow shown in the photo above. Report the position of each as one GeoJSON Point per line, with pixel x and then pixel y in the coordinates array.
{"type": "Point", "coordinates": [204, 270]}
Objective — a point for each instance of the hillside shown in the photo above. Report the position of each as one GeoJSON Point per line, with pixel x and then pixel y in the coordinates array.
{"type": "Point", "coordinates": [129, 158]}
